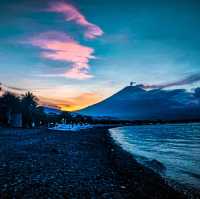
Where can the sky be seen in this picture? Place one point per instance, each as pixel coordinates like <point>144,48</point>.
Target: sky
<point>75,53</point>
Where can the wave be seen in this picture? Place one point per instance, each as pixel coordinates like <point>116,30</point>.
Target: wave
<point>156,165</point>
<point>170,150</point>
<point>192,174</point>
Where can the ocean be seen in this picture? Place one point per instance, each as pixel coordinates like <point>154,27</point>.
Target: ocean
<point>173,150</point>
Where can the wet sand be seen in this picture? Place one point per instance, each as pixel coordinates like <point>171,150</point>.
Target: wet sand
<point>87,164</point>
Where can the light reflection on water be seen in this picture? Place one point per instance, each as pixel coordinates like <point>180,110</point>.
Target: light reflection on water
<point>176,146</point>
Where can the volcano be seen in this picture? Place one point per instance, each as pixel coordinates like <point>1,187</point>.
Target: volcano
<point>136,103</point>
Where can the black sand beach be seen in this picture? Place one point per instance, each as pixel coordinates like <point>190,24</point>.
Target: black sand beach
<point>87,164</point>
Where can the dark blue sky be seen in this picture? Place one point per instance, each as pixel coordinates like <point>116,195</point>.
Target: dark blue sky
<point>86,50</point>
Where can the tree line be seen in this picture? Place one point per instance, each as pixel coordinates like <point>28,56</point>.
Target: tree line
<point>27,110</point>
<point>25,106</point>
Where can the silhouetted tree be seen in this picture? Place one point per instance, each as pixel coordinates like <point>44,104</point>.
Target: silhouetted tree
<point>10,104</point>
<point>29,107</point>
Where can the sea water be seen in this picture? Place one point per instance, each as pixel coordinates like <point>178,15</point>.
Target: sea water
<point>175,146</point>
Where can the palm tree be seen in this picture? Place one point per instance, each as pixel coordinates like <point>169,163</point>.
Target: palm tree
<point>30,100</point>
<point>10,104</point>
<point>29,105</point>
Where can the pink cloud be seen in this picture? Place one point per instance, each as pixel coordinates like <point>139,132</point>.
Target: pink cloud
<point>78,73</point>
<point>72,14</point>
<point>59,46</point>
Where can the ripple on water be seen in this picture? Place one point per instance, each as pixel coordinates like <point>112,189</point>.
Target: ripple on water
<point>175,146</point>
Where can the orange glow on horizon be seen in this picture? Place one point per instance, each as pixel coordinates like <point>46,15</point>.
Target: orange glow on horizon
<point>72,104</point>
<point>70,108</point>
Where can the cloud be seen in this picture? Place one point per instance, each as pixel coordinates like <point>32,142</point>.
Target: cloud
<point>58,46</point>
<point>72,14</point>
<point>185,81</point>
<point>5,87</point>
<point>78,73</point>
<point>17,90</point>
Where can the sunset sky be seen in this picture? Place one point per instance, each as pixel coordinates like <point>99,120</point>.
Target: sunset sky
<point>75,53</point>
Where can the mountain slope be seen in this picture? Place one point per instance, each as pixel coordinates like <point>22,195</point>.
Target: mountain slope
<point>133,102</point>
<point>51,110</point>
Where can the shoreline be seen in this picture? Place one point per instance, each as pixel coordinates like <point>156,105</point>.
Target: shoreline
<point>159,168</point>
<point>187,191</point>
<point>38,163</point>
<point>125,163</point>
